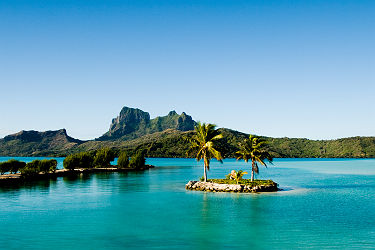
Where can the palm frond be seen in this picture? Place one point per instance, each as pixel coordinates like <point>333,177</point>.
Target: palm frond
<point>202,142</point>
<point>254,148</point>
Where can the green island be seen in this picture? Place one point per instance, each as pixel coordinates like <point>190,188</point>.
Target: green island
<point>246,186</point>
<point>97,161</point>
<point>134,133</point>
<point>203,144</point>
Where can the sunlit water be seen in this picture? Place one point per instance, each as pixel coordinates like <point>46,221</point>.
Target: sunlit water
<point>325,204</point>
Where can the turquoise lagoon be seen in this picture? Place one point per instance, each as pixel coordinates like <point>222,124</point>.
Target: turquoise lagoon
<point>326,203</point>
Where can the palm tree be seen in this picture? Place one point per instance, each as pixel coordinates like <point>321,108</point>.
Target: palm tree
<point>254,149</point>
<point>203,143</point>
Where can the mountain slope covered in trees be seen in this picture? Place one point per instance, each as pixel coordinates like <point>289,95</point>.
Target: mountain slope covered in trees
<point>34,143</point>
<point>167,136</point>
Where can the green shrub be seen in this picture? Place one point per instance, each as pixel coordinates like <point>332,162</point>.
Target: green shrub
<point>103,157</point>
<point>123,160</point>
<point>86,160</point>
<point>31,168</point>
<point>34,164</point>
<point>12,166</point>
<point>138,160</point>
<point>235,175</point>
<point>71,162</point>
<point>15,165</point>
<point>46,166</point>
<point>247,182</point>
<point>4,167</point>
<point>79,160</point>
<point>53,165</point>
<point>29,171</point>
<point>35,167</point>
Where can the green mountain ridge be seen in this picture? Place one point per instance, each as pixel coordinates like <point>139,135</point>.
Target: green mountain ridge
<point>167,136</point>
<point>34,143</point>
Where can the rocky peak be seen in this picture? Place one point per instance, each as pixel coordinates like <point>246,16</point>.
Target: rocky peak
<point>132,115</point>
<point>132,123</point>
<point>172,113</point>
<point>185,122</point>
<point>128,121</point>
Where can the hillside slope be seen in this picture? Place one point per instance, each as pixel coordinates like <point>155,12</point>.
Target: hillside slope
<point>173,143</point>
<point>34,143</point>
<point>167,136</point>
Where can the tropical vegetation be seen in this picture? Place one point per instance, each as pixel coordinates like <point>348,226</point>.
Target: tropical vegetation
<point>123,160</point>
<point>47,166</point>
<point>11,166</point>
<point>172,143</point>
<point>202,143</point>
<point>246,182</point>
<point>32,168</point>
<point>83,160</point>
<point>138,160</point>
<point>133,130</point>
<point>79,160</point>
<point>103,157</point>
<point>254,149</point>
<point>236,175</point>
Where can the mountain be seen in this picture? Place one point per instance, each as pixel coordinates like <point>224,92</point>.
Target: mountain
<point>352,147</point>
<point>30,143</point>
<point>173,143</point>
<point>133,123</point>
<point>167,136</point>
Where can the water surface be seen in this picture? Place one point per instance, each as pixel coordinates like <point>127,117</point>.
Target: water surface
<point>327,203</point>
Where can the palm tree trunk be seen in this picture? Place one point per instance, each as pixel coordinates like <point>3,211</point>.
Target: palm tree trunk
<point>205,168</point>
<point>252,170</point>
<point>205,173</point>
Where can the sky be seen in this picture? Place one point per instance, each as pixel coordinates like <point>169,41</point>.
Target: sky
<point>298,68</point>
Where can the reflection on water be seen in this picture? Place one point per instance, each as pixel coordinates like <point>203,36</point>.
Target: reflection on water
<point>72,179</point>
<point>32,185</point>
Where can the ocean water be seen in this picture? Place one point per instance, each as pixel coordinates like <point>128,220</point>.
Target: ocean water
<point>326,203</point>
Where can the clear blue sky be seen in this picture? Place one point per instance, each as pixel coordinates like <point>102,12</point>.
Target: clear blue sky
<point>278,68</point>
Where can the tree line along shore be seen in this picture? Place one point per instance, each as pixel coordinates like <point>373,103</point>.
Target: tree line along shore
<point>164,137</point>
<point>83,162</point>
<point>203,145</point>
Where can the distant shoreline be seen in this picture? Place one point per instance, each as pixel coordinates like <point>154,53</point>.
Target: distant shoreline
<point>18,178</point>
<point>161,157</point>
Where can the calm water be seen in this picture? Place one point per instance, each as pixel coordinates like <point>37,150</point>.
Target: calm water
<point>327,203</point>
